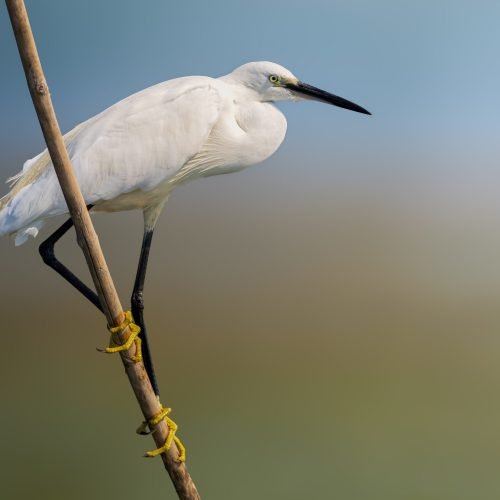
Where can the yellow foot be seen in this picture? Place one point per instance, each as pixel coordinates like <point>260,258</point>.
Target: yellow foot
<point>132,338</point>
<point>171,437</point>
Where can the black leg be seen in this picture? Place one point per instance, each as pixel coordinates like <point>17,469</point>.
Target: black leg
<point>46,250</point>
<point>137,303</point>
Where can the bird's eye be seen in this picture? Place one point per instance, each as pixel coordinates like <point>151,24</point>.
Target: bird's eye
<point>274,78</point>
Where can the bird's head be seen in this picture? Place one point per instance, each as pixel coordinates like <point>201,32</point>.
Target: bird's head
<point>272,82</point>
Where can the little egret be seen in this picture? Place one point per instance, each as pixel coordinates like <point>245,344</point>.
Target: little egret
<point>133,154</point>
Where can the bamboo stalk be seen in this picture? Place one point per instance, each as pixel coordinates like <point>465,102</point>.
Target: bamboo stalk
<point>89,242</point>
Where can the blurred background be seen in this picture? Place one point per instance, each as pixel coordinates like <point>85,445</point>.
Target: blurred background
<point>326,324</point>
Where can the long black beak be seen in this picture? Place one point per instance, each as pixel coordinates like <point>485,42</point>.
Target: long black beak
<point>310,92</point>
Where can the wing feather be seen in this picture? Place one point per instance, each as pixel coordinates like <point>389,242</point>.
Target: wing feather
<point>136,144</point>
<point>140,145</point>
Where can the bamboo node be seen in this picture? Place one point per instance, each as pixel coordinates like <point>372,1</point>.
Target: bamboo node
<point>38,83</point>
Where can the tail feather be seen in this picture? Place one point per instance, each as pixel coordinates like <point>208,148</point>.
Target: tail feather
<point>22,234</point>
<point>32,169</point>
<point>22,215</point>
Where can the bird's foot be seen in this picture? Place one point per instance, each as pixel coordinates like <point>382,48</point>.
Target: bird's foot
<point>171,437</point>
<point>133,337</point>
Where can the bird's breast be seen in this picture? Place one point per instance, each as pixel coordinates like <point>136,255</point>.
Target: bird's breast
<point>263,128</point>
<point>245,135</point>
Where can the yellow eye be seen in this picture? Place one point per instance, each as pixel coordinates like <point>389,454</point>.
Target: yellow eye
<point>274,78</point>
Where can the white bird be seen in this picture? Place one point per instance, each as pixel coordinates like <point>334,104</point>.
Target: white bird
<point>133,154</point>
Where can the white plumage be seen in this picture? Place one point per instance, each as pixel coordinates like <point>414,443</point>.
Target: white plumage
<point>134,153</point>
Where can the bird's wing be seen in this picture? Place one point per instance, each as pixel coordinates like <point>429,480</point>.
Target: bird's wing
<point>146,139</point>
<point>35,167</point>
<point>136,144</point>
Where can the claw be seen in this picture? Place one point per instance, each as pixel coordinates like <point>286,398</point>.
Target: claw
<point>163,415</point>
<point>132,338</point>
<point>144,430</point>
<point>171,437</point>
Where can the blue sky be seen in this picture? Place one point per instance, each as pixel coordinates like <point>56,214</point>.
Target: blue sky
<point>426,69</point>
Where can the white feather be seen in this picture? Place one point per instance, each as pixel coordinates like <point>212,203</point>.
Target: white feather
<point>135,152</point>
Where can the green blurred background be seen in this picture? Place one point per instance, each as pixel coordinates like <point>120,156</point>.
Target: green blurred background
<point>325,325</point>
